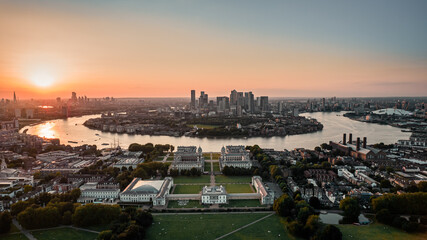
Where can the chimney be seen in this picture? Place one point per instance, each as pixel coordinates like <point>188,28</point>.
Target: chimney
<point>350,138</point>
<point>364,142</point>
<point>344,138</point>
<point>358,144</point>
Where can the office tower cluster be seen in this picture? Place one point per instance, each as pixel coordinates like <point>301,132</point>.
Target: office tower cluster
<point>237,103</point>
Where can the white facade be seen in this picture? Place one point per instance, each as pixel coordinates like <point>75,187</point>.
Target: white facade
<point>214,195</point>
<point>145,191</point>
<point>266,196</point>
<point>186,158</point>
<point>235,156</point>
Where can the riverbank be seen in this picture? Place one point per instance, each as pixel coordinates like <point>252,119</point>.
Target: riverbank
<point>334,126</point>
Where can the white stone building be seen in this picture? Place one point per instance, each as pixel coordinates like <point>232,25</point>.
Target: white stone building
<point>235,156</point>
<point>186,158</point>
<point>145,191</point>
<point>214,195</point>
<point>266,195</point>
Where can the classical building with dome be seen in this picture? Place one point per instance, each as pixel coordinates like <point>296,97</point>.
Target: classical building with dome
<point>235,156</point>
<point>146,191</point>
<point>186,158</point>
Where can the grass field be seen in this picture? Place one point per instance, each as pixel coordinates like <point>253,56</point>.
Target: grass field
<point>216,166</point>
<point>377,231</point>
<point>13,236</point>
<point>207,166</point>
<point>232,179</point>
<point>243,203</point>
<point>98,228</point>
<point>207,156</point>
<point>190,204</point>
<point>238,188</point>
<point>269,228</point>
<point>198,226</point>
<point>63,233</point>
<point>169,159</point>
<point>187,189</point>
<point>185,179</point>
<point>215,156</point>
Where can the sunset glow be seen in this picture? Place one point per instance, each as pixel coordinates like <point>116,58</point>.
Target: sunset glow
<point>42,79</point>
<point>153,49</point>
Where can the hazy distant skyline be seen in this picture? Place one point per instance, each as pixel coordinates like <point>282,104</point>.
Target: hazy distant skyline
<point>166,48</point>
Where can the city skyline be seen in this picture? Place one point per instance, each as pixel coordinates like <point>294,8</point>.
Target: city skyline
<point>143,49</point>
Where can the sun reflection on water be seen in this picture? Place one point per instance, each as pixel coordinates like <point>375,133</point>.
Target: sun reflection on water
<point>45,130</point>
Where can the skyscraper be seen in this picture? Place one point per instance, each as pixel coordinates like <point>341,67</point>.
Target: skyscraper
<point>203,100</point>
<point>74,96</point>
<point>193,99</point>
<point>264,103</point>
<point>249,102</point>
<point>233,98</point>
<point>14,97</point>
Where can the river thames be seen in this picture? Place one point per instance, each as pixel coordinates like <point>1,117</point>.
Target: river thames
<point>334,125</point>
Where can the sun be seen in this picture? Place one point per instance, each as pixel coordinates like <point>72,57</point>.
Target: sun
<point>42,79</point>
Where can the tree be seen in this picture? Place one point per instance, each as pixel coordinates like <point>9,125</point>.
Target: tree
<point>311,225</point>
<point>384,216</point>
<point>18,207</point>
<point>410,226</point>
<point>95,214</point>
<point>5,222</point>
<point>143,218</point>
<point>351,209</point>
<point>422,186</point>
<point>303,215</point>
<point>317,149</point>
<point>105,235</point>
<point>27,188</point>
<point>314,202</point>
<point>330,232</point>
<point>67,218</point>
<point>283,205</point>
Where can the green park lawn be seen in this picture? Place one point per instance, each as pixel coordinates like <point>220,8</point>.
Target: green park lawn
<point>238,188</point>
<point>215,156</point>
<point>13,236</point>
<point>63,233</point>
<point>207,156</point>
<point>207,166</point>
<point>232,179</point>
<point>185,179</point>
<point>377,231</point>
<point>189,204</point>
<point>198,226</point>
<point>99,228</point>
<point>216,166</point>
<point>243,203</point>
<point>269,228</point>
<point>187,189</point>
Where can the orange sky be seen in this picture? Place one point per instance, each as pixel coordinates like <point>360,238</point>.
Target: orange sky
<point>109,53</point>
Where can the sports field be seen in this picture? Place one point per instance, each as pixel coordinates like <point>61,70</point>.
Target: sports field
<point>201,226</point>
